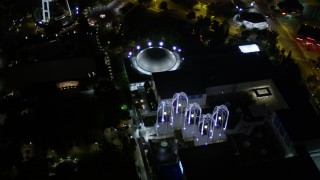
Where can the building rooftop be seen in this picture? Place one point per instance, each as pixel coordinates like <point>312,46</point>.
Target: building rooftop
<point>301,124</point>
<point>220,161</point>
<point>228,66</point>
<point>170,82</point>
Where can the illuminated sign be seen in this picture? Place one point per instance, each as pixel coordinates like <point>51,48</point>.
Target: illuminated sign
<point>249,48</point>
<point>262,92</point>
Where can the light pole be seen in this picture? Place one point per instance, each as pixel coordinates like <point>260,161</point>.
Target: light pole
<point>165,116</point>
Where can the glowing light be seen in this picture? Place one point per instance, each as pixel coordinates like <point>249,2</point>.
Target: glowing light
<point>174,48</point>
<point>249,48</point>
<point>160,43</point>
<point>67,84</point>
<point>149,44</point>
<point>138,47</point>
<point>130,53</point>
<point>181,168</point>
<point>310,38</point>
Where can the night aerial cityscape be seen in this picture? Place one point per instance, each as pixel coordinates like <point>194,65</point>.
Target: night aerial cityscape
<point>159,89</point>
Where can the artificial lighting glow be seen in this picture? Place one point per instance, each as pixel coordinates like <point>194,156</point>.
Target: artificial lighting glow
<point>179,105</point>
<point>249,48</point>
<point>67,84</point>
<point>262,92</point>
<point>181,168</point>
<point>174,48</point>
<point>160,43</point>
<point>130,53</point>
<point>149,43</point>
<point>205,126</point>
<point>138,47</point>
<point>192,115</point>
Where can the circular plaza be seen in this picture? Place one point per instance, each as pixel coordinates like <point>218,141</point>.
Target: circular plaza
<point>155,59</point>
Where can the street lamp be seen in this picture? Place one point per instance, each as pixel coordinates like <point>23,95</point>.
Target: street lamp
<point>174,48</point>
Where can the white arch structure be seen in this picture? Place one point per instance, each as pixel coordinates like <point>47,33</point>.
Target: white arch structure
<point>193,111</point>
<point>177,102</point>
<point>164,109</point>
<point>206,124</point>
<point>221,116</point>
<point>178,97</point>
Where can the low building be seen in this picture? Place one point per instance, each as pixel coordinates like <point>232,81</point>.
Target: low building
<point>290,7</point>
<point>252,20</point>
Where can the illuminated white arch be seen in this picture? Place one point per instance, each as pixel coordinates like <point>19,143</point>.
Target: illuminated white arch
<point>177,102</point>
<point>221,115</point>
<point>178,97</point>
<point>163,111</point>
<point>207,122</point>
<point>193,111</point>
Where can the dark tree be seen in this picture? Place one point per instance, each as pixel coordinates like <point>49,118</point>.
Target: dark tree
<point>191,15</point>
<point>163,5</point>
